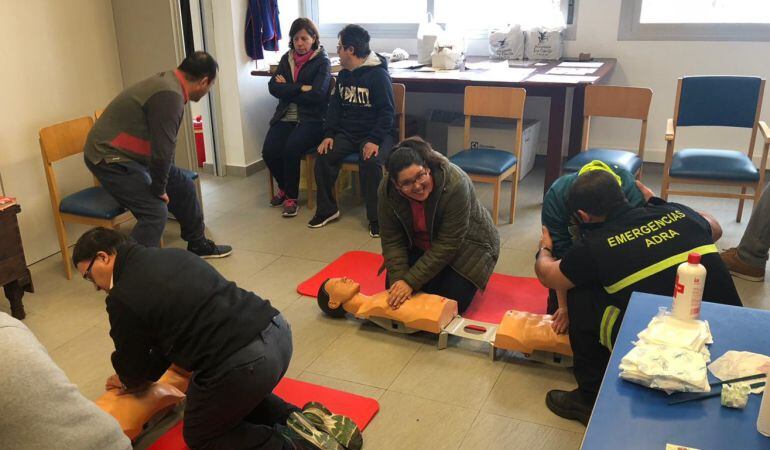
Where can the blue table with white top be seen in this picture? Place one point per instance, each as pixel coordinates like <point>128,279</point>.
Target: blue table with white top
<point>630,416</point>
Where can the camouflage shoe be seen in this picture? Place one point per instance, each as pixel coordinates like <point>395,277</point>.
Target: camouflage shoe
<point>341,428</point>
<point>303,427</point>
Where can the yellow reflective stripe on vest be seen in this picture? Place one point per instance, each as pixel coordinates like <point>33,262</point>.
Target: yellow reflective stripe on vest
<point>658,267</point>
<point>609,317</point>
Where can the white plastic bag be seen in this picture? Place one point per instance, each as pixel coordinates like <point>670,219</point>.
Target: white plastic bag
<point>427,34</point>
<point>507,43</point>
<point>544,28</point>
<point>543,43</point>
<point>449,52</point>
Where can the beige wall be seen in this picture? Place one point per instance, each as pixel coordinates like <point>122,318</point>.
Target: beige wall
<point>60,62</point>
<point>657,65</point>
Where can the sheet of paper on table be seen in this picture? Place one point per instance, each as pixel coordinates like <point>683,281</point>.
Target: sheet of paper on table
<point>487,65</point>
<point>508,75</point>
<point>571,71</point>
<point>405,64</point>
<point>545,78</point>
<point>581,64</point>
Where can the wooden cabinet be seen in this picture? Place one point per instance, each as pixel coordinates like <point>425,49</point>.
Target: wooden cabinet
<point>14,275</point>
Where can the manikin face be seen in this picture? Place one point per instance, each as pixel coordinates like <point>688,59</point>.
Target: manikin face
<point>302,42</point>
<point>415,182</point>
<point>341,290</point>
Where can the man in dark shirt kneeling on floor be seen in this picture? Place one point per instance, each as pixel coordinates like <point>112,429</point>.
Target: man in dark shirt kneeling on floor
<point>169,306</point>
<point>621,250</point>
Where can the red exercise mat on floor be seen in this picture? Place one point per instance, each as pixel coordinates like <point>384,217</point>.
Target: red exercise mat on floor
<point>503,292</point>
<point>360,409</point>
<point>356,265</point>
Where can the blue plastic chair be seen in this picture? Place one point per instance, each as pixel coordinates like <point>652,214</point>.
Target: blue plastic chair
<point>489,165</point>
<point>727,101</point>
<point>618,102</point>
<point>91,206</point>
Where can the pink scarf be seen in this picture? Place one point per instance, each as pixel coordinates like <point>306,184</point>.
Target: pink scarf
<point>299,61</point>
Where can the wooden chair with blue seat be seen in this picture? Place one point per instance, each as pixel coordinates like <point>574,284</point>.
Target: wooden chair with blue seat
<point>726,101</point>
<point>620,102</point>
<point>90,206</point>
<point>489,165</point>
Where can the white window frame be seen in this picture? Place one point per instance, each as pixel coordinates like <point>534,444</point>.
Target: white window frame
<point>630,29</point>
<point>409,30</point>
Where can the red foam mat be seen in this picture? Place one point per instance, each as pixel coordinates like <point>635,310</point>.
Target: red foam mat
<point>356,265</point>
<point>503,292</point>
<point>361,409</point>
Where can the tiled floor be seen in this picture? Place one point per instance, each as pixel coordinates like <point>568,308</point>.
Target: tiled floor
<point>449,399</point>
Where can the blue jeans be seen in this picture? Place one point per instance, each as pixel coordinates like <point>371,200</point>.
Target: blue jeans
<point>231,406</point>
<point>327,168</point>
<point>286,143</point>
<point>129,184</point>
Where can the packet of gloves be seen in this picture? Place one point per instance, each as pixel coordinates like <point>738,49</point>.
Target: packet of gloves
<point>671,355</point>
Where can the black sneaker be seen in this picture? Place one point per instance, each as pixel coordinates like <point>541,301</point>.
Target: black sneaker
<point>206,248</point>
<point>319,221</point>
<point>569,405</point>
<point>374,229</point>
<point>278,199</point>
<point>290,208</point>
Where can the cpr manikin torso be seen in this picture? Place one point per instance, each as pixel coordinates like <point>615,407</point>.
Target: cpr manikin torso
<point>518,331</point>
<point>426,312</point>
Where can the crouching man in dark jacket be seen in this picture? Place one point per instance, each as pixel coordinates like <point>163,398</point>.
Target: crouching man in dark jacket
<point>169,306</point>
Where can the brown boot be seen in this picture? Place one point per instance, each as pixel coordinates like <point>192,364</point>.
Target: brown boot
<point>740,269</point>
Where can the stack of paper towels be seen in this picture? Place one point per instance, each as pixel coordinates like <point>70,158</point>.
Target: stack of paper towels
<point>671,354</point>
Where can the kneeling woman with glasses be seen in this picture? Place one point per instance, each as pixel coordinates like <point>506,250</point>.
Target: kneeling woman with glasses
<point>436,236</point>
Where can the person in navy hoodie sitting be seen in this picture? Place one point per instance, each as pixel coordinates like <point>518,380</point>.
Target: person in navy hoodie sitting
<point>359,120</point>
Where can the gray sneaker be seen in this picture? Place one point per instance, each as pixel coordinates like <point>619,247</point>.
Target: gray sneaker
<point>290,208</point>
<point>341,428</point>
<point>307,431</point>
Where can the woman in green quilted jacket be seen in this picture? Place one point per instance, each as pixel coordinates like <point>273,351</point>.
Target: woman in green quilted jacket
<point>436,236</point>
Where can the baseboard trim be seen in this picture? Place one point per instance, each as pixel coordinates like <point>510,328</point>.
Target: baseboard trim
<point>245,171</point>
<point>207,168</point>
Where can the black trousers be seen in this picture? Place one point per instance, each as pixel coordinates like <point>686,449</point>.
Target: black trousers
<point>129,183</point>
<point>447,283</point>
<point>286,143</point>
<point>592,332</point>
<point>327,168</point>
<point>232,406</point>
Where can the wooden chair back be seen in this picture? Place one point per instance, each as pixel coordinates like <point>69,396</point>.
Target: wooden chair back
<point>500,102</point>
<point>399,96</point>
<point>621,102</point>
<point>64,139</point>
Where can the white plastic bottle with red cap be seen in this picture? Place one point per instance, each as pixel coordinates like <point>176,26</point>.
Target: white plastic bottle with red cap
<point>688,289</point>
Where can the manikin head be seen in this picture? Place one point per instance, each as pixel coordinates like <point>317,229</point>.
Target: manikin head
<point>334,292</point>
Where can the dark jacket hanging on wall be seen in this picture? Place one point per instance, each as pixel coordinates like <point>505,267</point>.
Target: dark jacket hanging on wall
<point>262,27</point>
